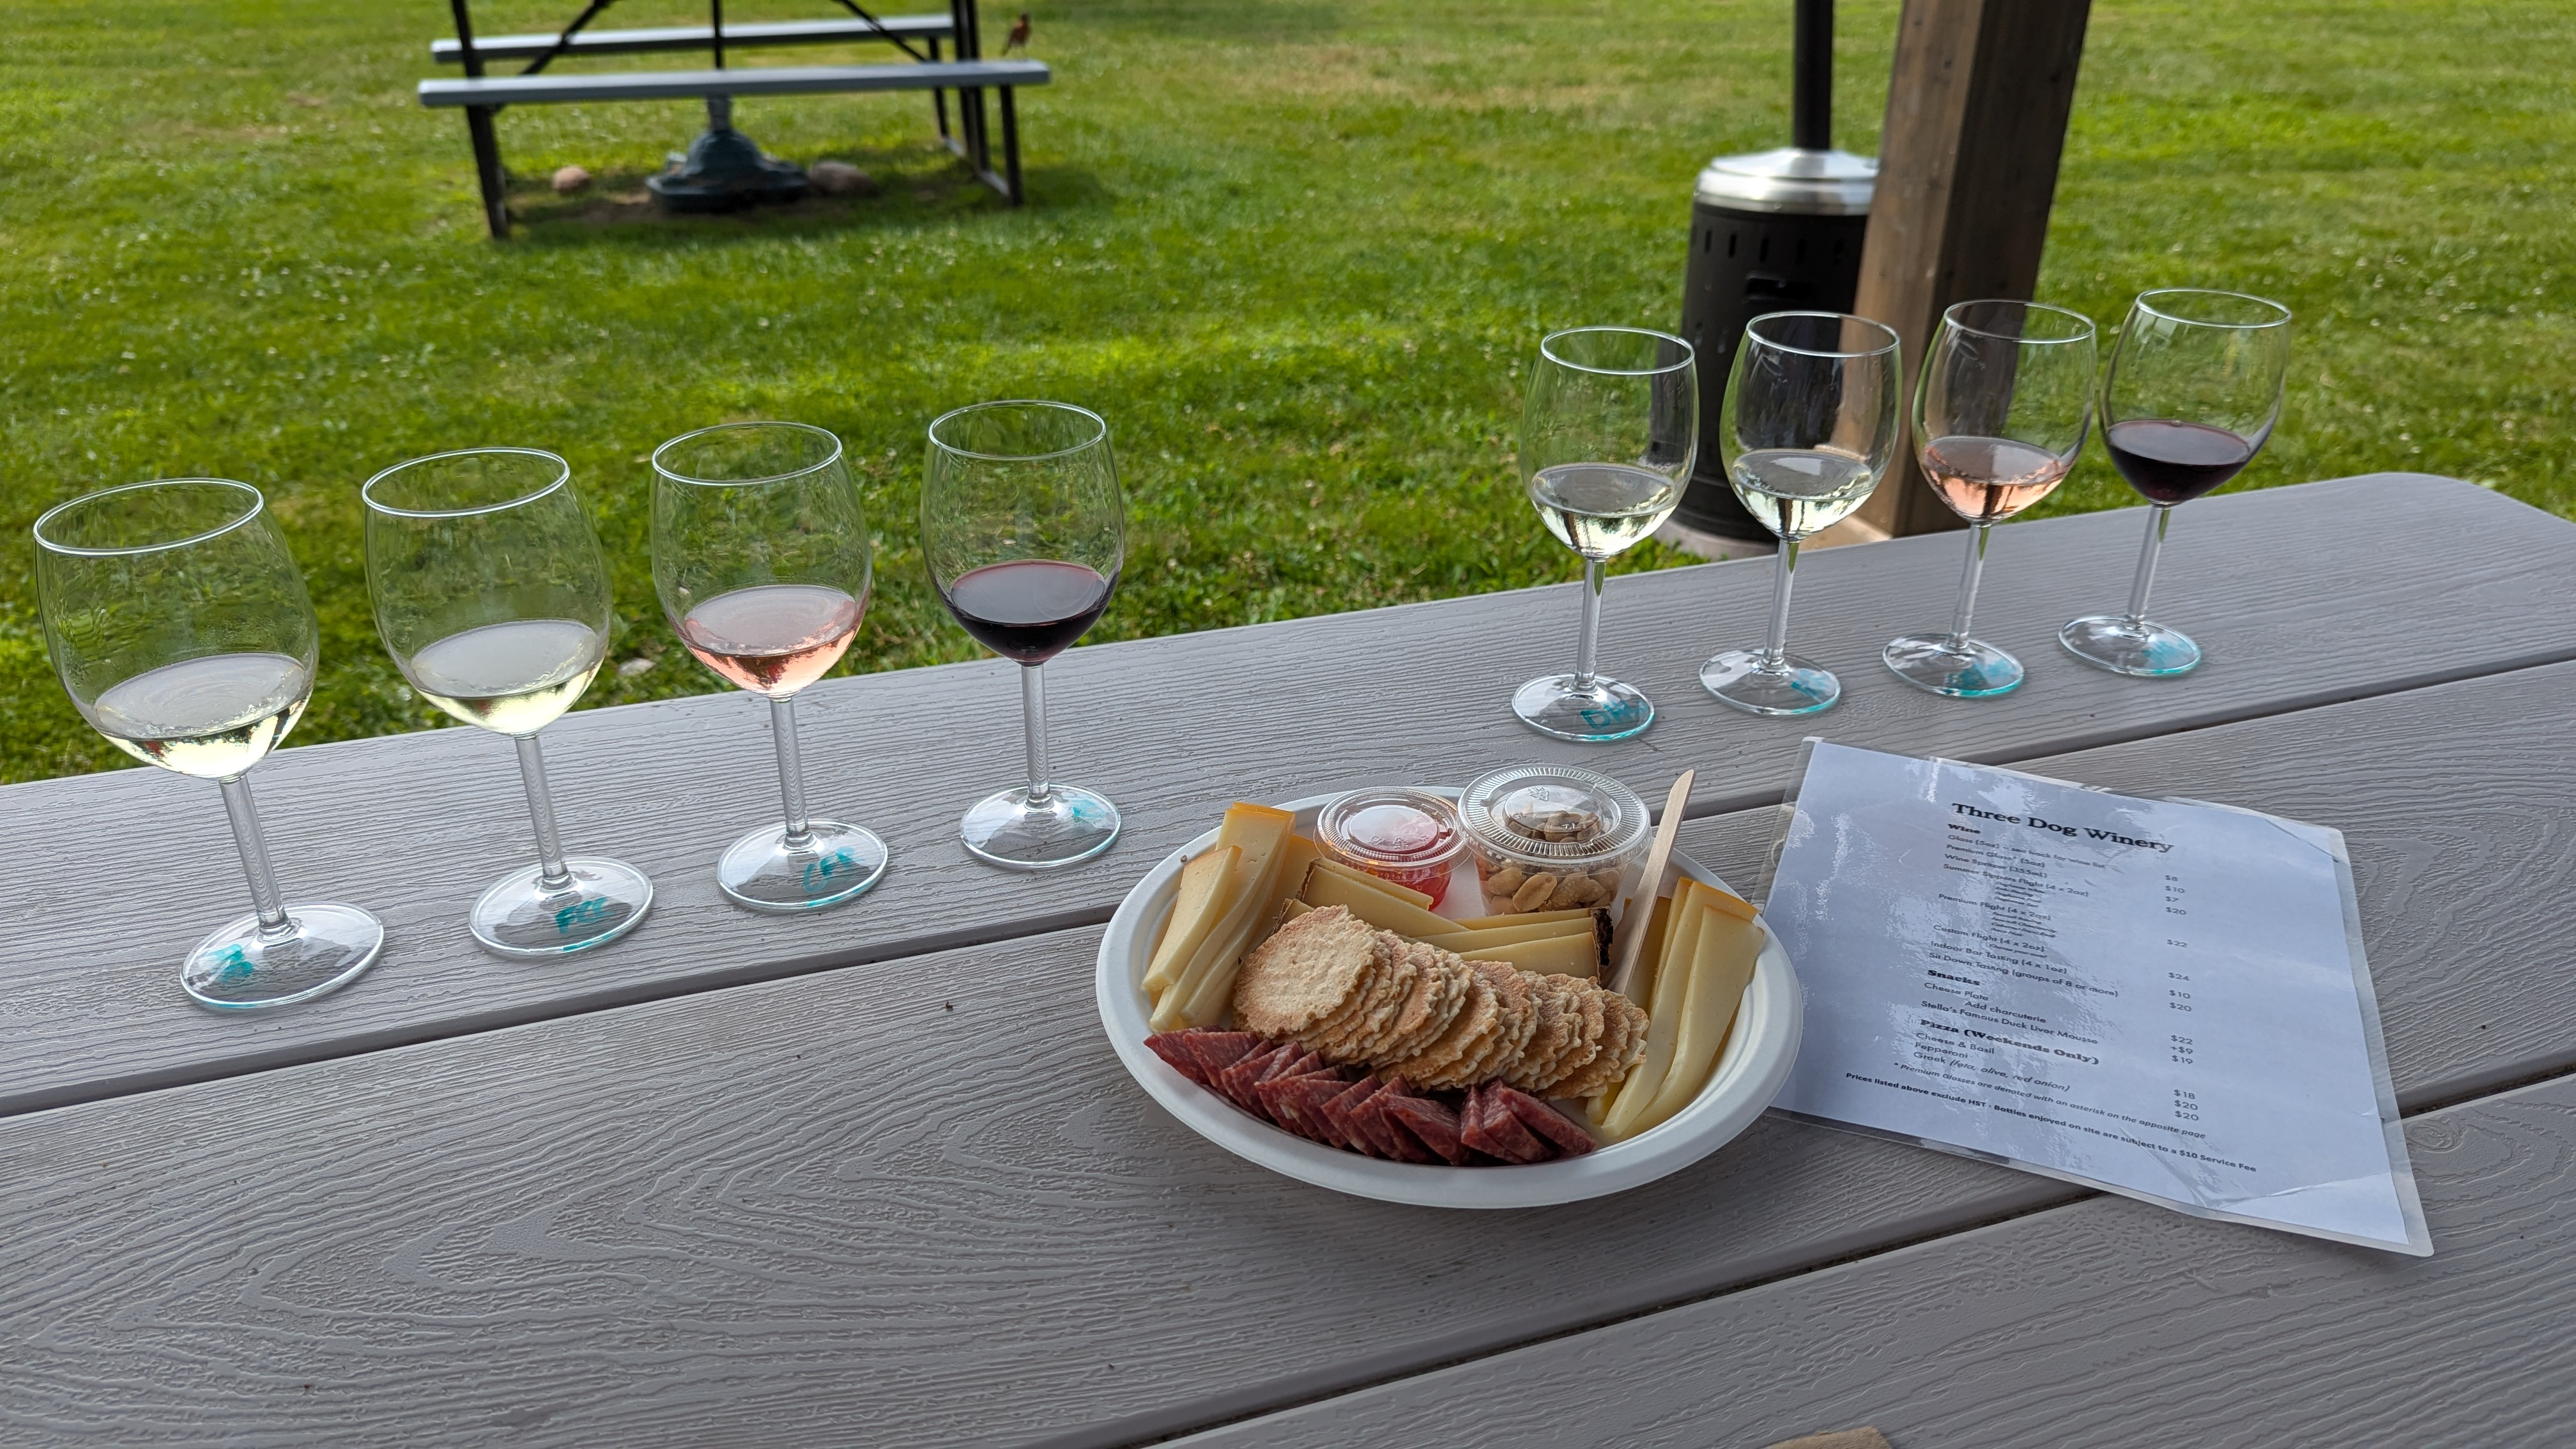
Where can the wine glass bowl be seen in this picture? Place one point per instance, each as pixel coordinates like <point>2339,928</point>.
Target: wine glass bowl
<point>2000,413</point>
<point>1808,427</point>
<point>762,561</point>
<point>1024,530</point>
<point>1608,431</point>
<point>492,598</point>
<point>2191,394</point>
<point>178,623</point>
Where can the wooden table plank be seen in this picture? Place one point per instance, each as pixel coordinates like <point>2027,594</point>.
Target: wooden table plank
<point>918,1202</point>
<point>2294,591</point>
<point>2102,1322</point>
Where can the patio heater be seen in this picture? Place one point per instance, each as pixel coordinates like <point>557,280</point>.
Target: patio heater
<point>1772,231</point>
<point>724,168</point>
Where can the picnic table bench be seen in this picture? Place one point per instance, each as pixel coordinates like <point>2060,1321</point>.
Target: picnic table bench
<point>482,97</point>
<point>874,1176</point>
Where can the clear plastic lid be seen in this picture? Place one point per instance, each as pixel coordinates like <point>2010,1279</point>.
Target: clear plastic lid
<point>1390,828</point>
<point>1555,815</point>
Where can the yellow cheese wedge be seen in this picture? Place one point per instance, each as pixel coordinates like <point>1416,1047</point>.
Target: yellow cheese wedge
<point>1663,1018</point>
<point>1293,910</point>
<point>1324,888</point>
<point>1522,918</point>
<point>1295,858</point>
<point>1263,837</point>
<point>1556,955</point>
<point>1357,876</point>
<point>1201,901</point>
<point>1254,831</point>
<point>1721,968</point>
<point>1736,906</point>
<point>1464,941</point>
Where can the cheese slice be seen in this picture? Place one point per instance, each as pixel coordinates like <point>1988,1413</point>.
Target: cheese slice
<point>1465,941</point>
<point>1265,834</point>
<point>1357,876</point>
<point>1721,969</point>
<point>1201,901</point>
<point>1295,858</point>
<point>1555,955</point>
<point>1293,910</point>
<point>1663,1018</point>
<point>1522,918</point>
<point>1324,888</point>
<point>1736,906</point>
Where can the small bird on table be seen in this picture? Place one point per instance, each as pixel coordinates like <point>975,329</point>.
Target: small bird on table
<point>1019,37</point>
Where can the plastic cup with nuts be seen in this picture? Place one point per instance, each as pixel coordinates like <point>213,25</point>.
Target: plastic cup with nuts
<point>1552,837</point>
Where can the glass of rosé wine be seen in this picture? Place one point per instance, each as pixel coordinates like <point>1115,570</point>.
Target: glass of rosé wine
<point>2000,412</point>
<point>761,558</point>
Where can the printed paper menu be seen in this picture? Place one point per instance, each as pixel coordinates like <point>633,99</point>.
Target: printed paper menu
<point>2155,997</point>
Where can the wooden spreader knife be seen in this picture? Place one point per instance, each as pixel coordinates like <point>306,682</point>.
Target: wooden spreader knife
<point>1640,913</point>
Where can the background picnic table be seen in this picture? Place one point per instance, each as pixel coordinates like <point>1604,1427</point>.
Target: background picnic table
<point>874,1176</point>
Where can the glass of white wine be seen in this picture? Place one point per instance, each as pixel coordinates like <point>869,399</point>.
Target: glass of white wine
<point>761,557</point>
<point>1608,432</point>
<point>1808,428</point>
<point>180,628</point>
<point>493,600</point>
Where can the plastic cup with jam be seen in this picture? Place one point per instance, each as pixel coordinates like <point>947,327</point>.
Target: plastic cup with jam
<point>1552,837</point>
<point>1408,837</point>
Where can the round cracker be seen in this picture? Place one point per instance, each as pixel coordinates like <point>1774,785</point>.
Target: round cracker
<point>1448,977</point>
<point>1304,973</point>
<point>1469,1032</point>
<point>1560,1021</point>
<point>1592,1018</point>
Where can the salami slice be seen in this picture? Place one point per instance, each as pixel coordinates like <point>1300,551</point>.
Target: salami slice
<point>1174,1048</point>
<point>1491,1129</point>
<point>1433,1125</point>
<point>1217,1050</point>
<point>1567,1136</point>
<point>1338,1112</point>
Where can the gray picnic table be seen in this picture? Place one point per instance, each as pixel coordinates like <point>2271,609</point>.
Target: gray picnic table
<point>874,1177</point>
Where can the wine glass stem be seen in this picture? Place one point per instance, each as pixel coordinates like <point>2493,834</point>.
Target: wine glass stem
<point>791,769</point>
<point>1587,651</point>
<point>2157,516</point>
<point>552,873</point>
<point>1968,584</point>
<point>1775,654</point>
<point>1033,716</point>
<point>264,896</point>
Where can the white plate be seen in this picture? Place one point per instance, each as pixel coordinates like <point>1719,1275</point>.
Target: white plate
<point>1750,1073</point>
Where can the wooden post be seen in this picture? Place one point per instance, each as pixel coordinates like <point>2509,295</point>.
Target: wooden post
<point>1967,167</point>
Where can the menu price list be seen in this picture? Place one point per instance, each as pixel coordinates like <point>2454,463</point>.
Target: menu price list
<point>2160,998</point>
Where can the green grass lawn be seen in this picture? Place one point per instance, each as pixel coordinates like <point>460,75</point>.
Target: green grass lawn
<point>1297,252</point>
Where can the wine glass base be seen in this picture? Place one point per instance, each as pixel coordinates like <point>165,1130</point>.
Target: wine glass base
<point>2144,649</point>
<point>1071,825</point>
<point>1608,710</point>
<point>1794,686</point>
<point>604,900</point>
<point>834,863</point>
<point>235,969</point>
<point>1971,669</point>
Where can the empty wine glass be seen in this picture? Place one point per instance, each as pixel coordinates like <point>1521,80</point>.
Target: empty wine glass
<point>493,600</point>
<point>1999,415</point>
<point>2191,395</point>
<point>760,555</point>
<point>1807,429</point>
<point>180,628</point>
<point>1607,436</point>
<point>1024,531</point>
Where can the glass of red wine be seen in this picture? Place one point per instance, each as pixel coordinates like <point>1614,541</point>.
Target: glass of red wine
<point>2000,412</point>
<point>760,555</point>
<point>1024,531</point>
<point>2191,395</point>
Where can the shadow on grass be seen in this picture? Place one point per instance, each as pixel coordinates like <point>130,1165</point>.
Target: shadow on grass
<point>1237,20</point>
<point>909,188</point>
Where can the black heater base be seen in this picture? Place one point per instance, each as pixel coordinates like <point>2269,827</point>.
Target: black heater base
<point>725,171</point>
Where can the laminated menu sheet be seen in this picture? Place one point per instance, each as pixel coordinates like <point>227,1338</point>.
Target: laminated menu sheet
<point>2159,998</point>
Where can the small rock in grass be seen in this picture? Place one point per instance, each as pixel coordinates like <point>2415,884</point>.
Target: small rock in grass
<point>635,666</point>
<point>838,178</point>
<point>570,179</point>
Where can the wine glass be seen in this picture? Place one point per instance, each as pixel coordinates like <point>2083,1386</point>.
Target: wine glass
<point>760,554</point>
<point>2191,395</point>
<point>1999,415</point>
<point>1607,436</point>
<point>493,600</point>
<point>1806,431</point>
<point>1024,532</point>
<point>180,628</point>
